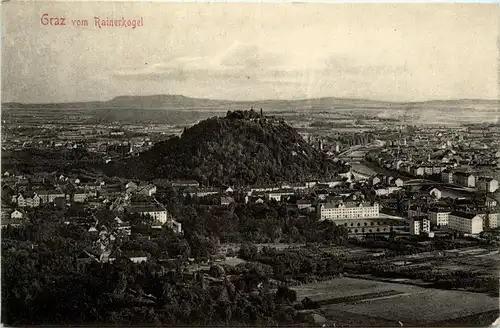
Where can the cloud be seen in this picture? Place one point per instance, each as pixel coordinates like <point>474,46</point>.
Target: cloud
<point>239,61</point>
<point>242,62</point>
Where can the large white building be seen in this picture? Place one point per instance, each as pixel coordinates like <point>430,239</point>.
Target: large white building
<point>469,223</point>
<point>156,212</point>
<point>439,217</point>
<point>347,210</point>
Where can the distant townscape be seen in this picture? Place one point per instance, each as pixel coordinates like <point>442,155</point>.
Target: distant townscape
<point>232,214</point>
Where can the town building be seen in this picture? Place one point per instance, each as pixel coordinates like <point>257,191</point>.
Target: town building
<point>185,183</point>
<point>419,225</point>
<point>417,211</point>
<point>202,192</point>
<point>332,183</point>
<point>11,222</point>
<point>16,214</point>
<point>435,192</point>
<point>347,210</point>
<point>418,170</point>
<point>487,184</point>
<point>398,182</point>
<point>5,212</point>
<point>386,191</point>
<point>376,180</point>
<point>25,201</point>
<point>304,204</point>
<point>464,179</point>
<point>468,223</point>
<point>147,190</point>
<point>226,201</point>
<point>430,192</point>
<point>491,202</point>
<point>175,226</point>
<point>36,201</point>
<point>48,196</point>
<point>490,220</point>
<point>80,197</point>
<point>156,212</point>
<point>278,195</point>
<point>439,217</point>
<point>21,201</point>
<point>383,226</point>
<point>131,186</point>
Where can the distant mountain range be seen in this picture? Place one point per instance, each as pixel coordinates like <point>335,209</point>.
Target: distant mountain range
<point>179,102</point>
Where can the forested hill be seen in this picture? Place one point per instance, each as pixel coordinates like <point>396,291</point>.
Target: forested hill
<point>239,149</point>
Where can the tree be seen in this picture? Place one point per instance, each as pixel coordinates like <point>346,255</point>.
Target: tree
<point>248,252</point>
<point>308,304</point>
<point>217,271</point>
<point>285,295</point>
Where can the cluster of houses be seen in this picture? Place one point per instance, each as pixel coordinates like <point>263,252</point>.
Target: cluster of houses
<point>451,155</point>
<point>260,194</point>
<point>467,179</point>
<point>464,216</point>
<point>340,199</point>
<point>385,185</point>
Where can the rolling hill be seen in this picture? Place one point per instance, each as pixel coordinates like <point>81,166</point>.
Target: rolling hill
<point>182,102</point>
<point>239,149</point>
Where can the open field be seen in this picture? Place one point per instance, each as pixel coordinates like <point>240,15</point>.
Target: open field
<point>388,303</point>
<point>350,252</point>
<point>473,259</point>
<point>479,264</point>
<point>278,246</point>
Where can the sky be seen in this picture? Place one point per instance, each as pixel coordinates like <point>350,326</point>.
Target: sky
<point>392,52</point>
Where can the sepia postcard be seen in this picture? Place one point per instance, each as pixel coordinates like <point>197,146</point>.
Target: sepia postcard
<point>249,164</point>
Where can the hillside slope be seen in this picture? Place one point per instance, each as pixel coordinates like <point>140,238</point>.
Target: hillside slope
<point>239,149</point>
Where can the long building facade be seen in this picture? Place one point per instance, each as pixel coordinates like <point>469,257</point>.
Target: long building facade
<point>347,210</point>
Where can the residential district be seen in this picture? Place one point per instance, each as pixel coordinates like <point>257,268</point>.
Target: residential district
<point>429,182</point>
<point>414,188</point>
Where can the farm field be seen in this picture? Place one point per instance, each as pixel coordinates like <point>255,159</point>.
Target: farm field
<point>412,305</point>
<point>474,259</point>
<point>481,263</point>
<point>278,246</point>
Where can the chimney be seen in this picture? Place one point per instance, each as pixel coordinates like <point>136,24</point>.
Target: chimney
<point>261,115</point>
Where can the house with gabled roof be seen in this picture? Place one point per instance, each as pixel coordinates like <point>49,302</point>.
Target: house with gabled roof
<point>17,214</point>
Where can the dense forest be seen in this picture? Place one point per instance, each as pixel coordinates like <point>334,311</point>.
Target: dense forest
<point>256,223</point>
<point>239,149</point>
<point>48,285</point>
<point>45,280</point>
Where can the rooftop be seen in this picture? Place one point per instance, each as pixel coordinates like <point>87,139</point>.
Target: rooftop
<point>144,209</point>
<point>347,204</point>
<point>464,215</point>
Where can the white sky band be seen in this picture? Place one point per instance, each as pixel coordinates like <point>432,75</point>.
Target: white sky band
<point>131,23</point>
<point>241,51</point>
